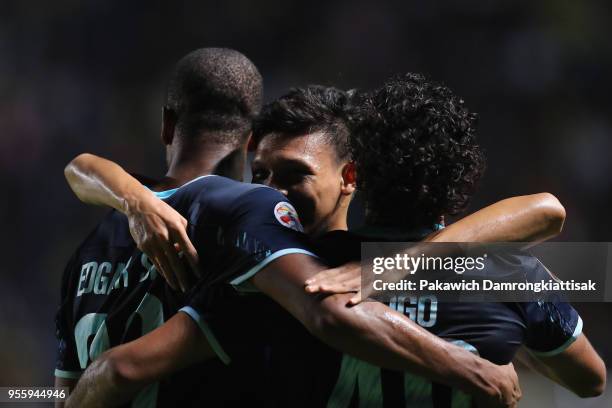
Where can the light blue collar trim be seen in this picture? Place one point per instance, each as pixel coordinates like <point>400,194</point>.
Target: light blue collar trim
<point>168,193</point>
<point>165,194</point>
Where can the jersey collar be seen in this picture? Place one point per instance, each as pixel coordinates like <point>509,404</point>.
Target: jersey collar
<point>168,193</point>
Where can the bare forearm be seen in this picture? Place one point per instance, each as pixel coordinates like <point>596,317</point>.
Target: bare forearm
<point>527,219</point>
<point>530,218</point>
<point>374,332</point>
<point>98,388</point>
<point>98,181</point>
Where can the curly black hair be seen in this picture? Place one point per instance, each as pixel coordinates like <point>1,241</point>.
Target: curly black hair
<point>310,109</point>
<point>415,151</point>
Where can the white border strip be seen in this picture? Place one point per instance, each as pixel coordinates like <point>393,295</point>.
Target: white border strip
<point>251,272</point>
<point>73,375</point>
<point>564,346</point>
<point>212,340</point>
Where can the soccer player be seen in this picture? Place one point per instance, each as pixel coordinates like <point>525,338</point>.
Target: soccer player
<point>111,295</point>
<point>146,339</point>
<point>413,142</point>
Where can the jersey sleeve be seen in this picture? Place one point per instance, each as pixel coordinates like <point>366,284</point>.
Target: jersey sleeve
<point>239,325</point>
<point>552,326</point>
<point>67,361</point>
<point>262,227</point>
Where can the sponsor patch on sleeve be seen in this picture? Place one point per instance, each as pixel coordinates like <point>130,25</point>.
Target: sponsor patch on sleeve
<point>287,216</point>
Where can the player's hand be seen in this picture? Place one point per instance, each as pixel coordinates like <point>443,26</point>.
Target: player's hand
<point>161,233</point>
<point>505,391</point>
<point>343,279</point>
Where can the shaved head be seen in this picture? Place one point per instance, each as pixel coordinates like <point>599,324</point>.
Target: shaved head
<point>216,92</point>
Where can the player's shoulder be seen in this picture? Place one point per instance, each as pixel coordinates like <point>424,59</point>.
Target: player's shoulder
<point>216,199</point>
<point>213,188</point>
<point>227,194</point>
<point>226,189</point>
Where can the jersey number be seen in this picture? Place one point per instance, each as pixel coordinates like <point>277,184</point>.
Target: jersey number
<point>365,379</point>
<point>422,309</point>
<point>151,314</point>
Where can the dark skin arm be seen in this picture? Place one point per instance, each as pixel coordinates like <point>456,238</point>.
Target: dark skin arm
<point>120,373</point>
<point>375,333</point>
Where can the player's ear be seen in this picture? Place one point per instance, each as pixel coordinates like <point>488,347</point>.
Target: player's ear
<point>349,178</point>
<point>168,125</point>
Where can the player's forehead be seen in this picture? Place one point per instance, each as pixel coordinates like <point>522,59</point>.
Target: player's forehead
<point>308,148</point>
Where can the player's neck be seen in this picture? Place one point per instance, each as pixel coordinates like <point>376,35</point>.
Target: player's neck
<point>338,225</point>
<point>191,162</point>
<point>336,222</point>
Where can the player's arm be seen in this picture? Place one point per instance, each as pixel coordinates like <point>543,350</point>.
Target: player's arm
<point>98,181</point>
<point>578,368</point>
<point>156,227</point>
<point>121,372</point>
<point>375,333</point>
<point>529,218</point>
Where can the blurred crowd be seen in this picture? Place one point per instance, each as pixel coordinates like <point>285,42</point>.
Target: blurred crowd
<point>89,76</point>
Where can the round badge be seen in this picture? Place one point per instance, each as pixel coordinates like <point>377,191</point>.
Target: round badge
<point>287,216</point>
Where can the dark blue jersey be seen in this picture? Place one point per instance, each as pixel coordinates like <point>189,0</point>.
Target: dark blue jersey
<point>297,370</point>
<point>112,293</point>
<point>494,331</point>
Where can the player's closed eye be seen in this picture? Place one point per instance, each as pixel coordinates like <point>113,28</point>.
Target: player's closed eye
<point>288,179</point>
<point>260,176</point>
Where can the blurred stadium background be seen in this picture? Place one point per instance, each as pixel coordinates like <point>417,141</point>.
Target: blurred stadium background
<point>89,76</point>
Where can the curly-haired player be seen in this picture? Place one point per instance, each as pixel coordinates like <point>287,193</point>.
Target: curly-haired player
<point>413,142</point>
<point>417,159</point>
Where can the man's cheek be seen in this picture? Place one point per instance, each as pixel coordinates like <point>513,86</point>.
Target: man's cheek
<point>305,206</point>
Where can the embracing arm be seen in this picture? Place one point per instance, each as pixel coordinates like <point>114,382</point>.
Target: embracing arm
<point>530,218</point>
<point>121,372</point>
<point>157,228</point>
<point>375,333</point>
<point>98,181</point>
